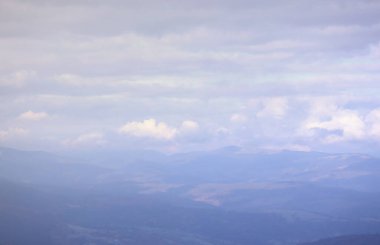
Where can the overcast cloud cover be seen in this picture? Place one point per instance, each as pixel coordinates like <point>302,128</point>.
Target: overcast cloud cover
<point>190,75</point>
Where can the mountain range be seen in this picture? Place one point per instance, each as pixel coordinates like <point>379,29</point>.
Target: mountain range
<point>226,196</point>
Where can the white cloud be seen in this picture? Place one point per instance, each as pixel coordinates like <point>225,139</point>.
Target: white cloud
<point>274,107</point>
<point>35,116</point>
<point>149,128</point>
<point>94,138</point>
<point>238,118</point>
<point>189,132</point>
<point>189,126</point>
<point>338,124</point>
<point>373,121</point>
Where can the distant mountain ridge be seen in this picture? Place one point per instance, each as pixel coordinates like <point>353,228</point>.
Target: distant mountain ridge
<point>372,239</point>
<point>225,196</point>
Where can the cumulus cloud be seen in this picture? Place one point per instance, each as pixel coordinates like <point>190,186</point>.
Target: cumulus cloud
<point>149,128</point>
<point>189,126</point>
<point>334,124</point>
<point>373,121</point>
<point>34,116</point>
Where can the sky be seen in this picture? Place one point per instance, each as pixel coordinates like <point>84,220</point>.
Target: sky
<point>181,76</point>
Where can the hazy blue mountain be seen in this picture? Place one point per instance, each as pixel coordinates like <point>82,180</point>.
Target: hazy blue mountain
<point>218,197</point>
<point>349,240</point>
<point>47,169</point>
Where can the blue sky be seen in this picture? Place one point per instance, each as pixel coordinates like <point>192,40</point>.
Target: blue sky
<point>179,76</point>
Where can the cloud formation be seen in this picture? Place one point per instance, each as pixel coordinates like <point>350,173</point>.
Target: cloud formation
<point>288,74</point>
<point>341,125</point>
<point>189,126</point>
<point>373,122</point>
<point>149,128</point>
<point>238,118</point>
<point>34,116</point>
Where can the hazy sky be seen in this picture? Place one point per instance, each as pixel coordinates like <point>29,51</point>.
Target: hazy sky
<point>190,75</point>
